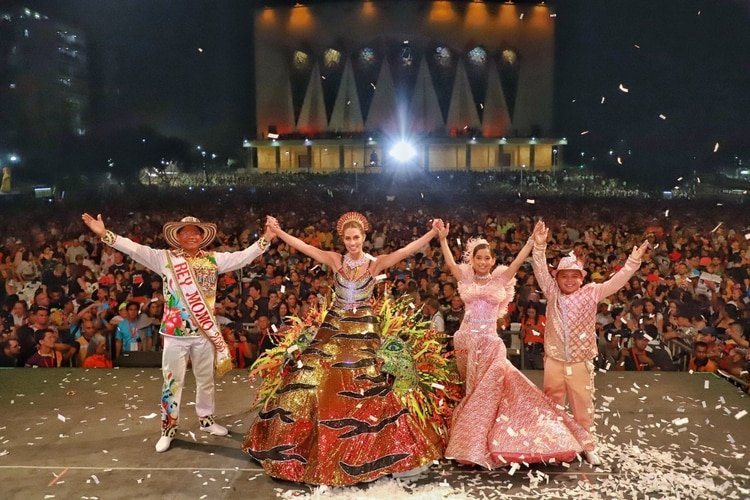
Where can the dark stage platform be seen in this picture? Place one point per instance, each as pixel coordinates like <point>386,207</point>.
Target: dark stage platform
<point>74,433</point>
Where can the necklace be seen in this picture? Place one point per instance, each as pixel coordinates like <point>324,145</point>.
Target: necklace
<point>351,264</point>
<point>483,278</point>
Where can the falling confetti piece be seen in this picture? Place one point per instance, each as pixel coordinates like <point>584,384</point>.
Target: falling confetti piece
<point>717,225</point>
<point>619,160</point>
<point>705,384</point>
<point>584,132</point>
<point>636,46</point>
<point>381,277</point>
<point>282,289</point>
<point>662,117</point>
<point>531,202</point>
<point>716,147</point>
<point>274,328</point>
<point>458,240</point>
<point>60,418</point>
<point>438,386</point>
<point>603,99</point>
<point>149,416</point>
<point>292,348</point>
<point>740,414</point>
<point>192,435</point>
<point>623,88</point>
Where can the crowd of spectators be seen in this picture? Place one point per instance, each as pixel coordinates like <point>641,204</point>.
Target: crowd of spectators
<point>69,300</point>
<point>532,182</point>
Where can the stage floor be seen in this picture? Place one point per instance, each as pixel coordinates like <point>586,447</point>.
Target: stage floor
<point>75,433</point>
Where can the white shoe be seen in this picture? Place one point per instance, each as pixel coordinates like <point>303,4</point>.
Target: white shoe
<point>163,444</point>
<point>592,458</point>
<point>215,429</point>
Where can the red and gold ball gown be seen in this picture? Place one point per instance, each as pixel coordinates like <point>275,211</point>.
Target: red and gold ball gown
<point>329,412</point>
<point>503,417</point>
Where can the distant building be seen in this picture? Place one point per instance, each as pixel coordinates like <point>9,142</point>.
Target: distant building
<point>468,84</point>
<point>44,84</point>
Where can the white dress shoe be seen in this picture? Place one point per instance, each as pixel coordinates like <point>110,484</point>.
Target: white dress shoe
<point>215,429</point>
<point>163,444</point>
<point>592,458</point>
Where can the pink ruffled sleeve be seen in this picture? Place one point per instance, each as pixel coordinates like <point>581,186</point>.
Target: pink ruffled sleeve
<point>509,287</point>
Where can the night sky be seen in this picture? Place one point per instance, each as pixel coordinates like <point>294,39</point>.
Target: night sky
<point>692,67</point>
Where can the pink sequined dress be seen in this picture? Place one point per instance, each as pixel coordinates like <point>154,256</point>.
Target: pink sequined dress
<point>503,417</point>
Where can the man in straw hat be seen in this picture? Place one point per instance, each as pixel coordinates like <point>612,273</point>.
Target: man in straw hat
<point>570,342</point>
<point>189,327</point>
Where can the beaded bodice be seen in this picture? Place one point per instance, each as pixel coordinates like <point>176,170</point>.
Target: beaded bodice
<point>351,294</point>
<point>485,301</point>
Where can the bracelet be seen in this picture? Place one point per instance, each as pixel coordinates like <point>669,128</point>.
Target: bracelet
<point>263,243</point>
<point>109,237</point>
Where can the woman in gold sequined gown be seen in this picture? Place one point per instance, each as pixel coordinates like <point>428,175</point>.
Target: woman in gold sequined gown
<point>336,420</point>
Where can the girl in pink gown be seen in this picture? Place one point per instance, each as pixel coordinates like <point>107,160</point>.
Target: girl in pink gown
<point>503,417</point>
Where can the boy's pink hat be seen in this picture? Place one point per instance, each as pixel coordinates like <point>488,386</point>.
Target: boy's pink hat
<point>569,263</point>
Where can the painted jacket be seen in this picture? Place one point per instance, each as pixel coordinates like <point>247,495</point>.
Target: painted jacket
<point>206,267</point>
<point>570,334</point>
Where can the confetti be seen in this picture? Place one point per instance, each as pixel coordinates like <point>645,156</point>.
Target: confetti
<point>740,414</point>
<point>60,418</point>
<point>530,201</point>
<point>381,277</point>
<point>717,225</point>
<point>282,289</point>
<point>458,240</point>
<point>603,99</point>
<point>584,132</point>
<point>623,88</point>
<point>716,147</point>
<point>292,348</point>
<point>438,386</point>
<point>662,117</point>
<point>149,416</point>
<point>705,384</point>
<point>274,328</point>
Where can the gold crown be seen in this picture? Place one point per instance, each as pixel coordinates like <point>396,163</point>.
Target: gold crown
<point>349,217</point>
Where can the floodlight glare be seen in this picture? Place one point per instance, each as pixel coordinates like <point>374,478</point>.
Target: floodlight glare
<point>403,151</point>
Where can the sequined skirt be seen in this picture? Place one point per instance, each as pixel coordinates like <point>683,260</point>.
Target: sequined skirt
<point>503,416</point>
<point>336,420</point>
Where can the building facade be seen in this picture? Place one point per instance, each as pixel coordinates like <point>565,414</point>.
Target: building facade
<point>468,85</point>
<point>44,84</point>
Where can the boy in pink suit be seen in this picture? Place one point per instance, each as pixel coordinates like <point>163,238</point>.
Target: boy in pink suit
<point>570,343</point>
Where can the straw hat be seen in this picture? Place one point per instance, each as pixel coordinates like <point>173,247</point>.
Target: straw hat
<point>172,228</point>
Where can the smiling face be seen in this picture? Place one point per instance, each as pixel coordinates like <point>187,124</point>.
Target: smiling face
<point>354,238</point>
<point>569,280</point>
<point>482,261</point>
<point>189,238</point>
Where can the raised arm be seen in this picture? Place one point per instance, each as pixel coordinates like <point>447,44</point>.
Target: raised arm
<point>447,254</point>
<point>143,254</point>
<point>229,261</point>
<point>331,259</point>
<point>623,275</point>
<point>539,258</point>
<point>385,261</point>
<point>516,264</point>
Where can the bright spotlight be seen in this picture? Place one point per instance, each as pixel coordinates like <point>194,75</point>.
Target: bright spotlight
<point>403,151</point>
